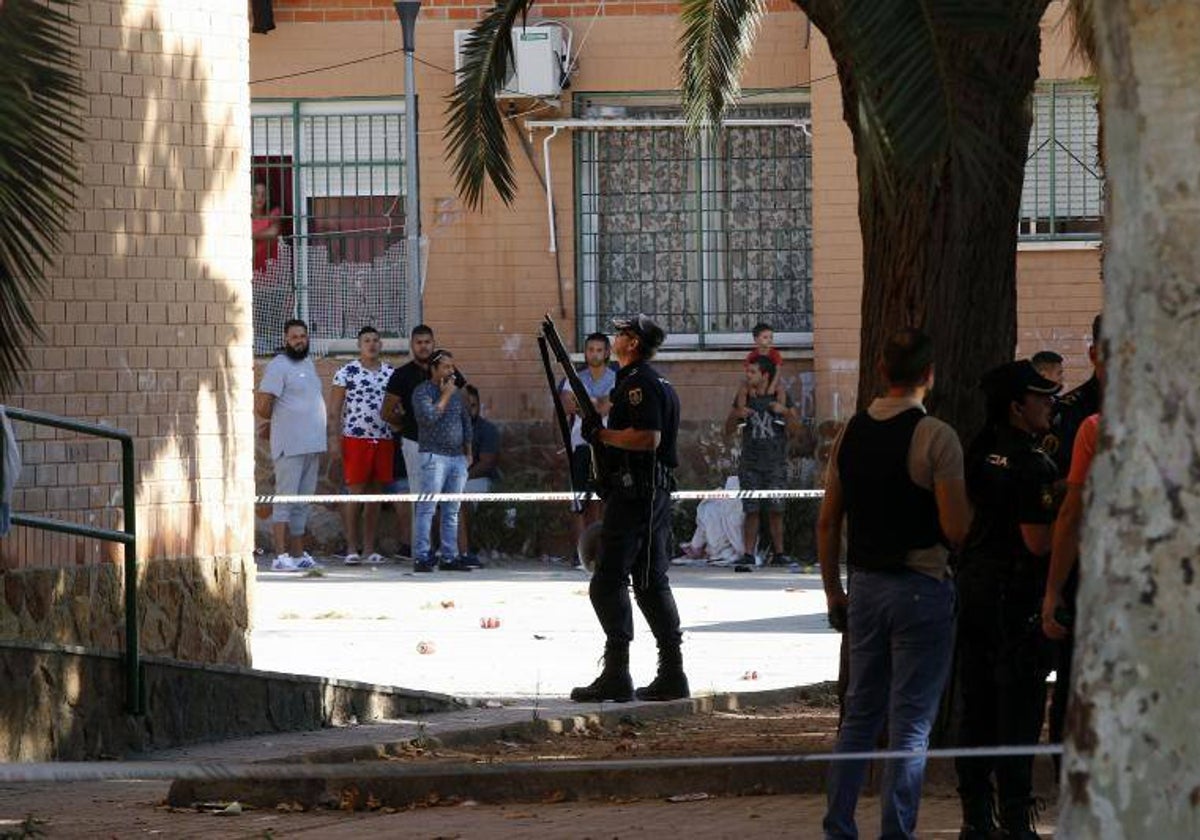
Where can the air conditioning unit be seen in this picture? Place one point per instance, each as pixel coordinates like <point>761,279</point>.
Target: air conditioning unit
<point>540,58</point>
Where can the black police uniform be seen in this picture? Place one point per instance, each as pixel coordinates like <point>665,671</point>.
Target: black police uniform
<point>1070,410</point>
<point>1003,658</point>
<point>637,512</point>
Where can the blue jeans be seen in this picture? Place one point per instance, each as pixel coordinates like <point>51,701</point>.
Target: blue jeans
<point>438,474</point>
<point>901,633</point>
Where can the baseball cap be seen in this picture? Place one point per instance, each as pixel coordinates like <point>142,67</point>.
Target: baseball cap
<point>650,333</point>
<point>1011,380</point>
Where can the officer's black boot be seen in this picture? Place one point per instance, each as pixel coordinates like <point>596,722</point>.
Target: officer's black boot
<point>614,682</point>
<point>979,819</point>
<point>670,683</point>
<point>1018,818</point>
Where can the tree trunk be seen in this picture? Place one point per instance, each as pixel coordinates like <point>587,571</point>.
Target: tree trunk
<point>934,261</point>
<point>1132,767</point>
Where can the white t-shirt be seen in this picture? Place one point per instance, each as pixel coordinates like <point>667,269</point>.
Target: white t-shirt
<point>298,415</point>
<point>597,389</point>
<point>364,398</point>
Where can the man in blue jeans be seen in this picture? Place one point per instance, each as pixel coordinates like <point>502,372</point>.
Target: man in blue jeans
<point>444,440</point>
<point>896,477</point>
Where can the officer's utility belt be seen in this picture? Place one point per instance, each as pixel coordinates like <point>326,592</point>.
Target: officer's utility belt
<point>636,475</point>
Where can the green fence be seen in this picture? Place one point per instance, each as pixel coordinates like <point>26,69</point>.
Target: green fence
<point>127,536</point>
<point>1063,195</point>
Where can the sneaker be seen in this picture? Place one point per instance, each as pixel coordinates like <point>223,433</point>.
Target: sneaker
<point>306,561</point>
<point>422,566</point>
<point>375,559</point>
<point>470,560</point>
<point>352,559</point>
<point>284,563</point>
<point>781,560</point>
<point>746,560</point>
<point>453,564</point>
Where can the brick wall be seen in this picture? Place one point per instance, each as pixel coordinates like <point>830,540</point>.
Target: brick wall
<point>343,11</point>
<point>147,315</point>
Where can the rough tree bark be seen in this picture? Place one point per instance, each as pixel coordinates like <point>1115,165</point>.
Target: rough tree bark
<point>946,265</point>
<point>1133,757</point>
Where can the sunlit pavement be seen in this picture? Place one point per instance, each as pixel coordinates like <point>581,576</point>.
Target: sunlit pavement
<point>742,632</point>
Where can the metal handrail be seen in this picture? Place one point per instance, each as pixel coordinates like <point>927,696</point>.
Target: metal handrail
<point>134,702</point>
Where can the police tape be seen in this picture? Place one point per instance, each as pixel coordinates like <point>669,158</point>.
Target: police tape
<point>101,771</point>
<point>547,496</point>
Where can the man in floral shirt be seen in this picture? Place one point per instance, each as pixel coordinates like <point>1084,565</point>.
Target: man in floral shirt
<point>367,446</point>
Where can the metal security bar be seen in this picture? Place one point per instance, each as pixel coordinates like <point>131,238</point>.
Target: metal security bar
<point>127,536</point>
<point>329,236</point>
<point>1063,196</point>
<point>708,235</point>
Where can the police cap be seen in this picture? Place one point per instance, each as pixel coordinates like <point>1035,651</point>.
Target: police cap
<point>650,333</point>
<point>1012,380</point>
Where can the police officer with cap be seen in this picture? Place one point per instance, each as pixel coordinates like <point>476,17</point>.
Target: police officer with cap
<point>1003,659</point>
<point>639,451</point>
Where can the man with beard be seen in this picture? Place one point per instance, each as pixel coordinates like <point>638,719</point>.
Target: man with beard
<point>397,410</point>
<point>291,405</point>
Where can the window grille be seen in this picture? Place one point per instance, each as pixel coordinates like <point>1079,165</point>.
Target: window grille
<point>707,235</point>
<point>1063,196</point>
<point>333,173</point>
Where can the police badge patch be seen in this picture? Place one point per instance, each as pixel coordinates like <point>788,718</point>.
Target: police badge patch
<point>635,396</point>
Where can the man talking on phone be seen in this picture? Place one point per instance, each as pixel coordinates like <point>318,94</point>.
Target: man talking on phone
<point>896,477</point>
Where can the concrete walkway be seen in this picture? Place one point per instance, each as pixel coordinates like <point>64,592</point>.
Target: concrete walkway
<point>743,632</point>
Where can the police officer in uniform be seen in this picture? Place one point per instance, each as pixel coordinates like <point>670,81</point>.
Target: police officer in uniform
<point>638,447</point>
<point>1070,410</point>
<point>1003,658</point>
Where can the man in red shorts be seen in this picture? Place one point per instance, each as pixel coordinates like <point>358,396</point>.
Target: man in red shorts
<point>367,445</point>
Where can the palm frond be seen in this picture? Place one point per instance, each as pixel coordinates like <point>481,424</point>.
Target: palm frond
<point>39,127</point>
<point>907,75</point>
<point>475,130</point>
<point>716,40</point>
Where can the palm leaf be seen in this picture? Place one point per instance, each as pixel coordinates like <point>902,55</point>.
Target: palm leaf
<point>39,127</point>
<point>475,130</point>
<point>716,41</point>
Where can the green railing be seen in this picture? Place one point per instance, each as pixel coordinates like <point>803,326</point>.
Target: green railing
<point>1063,192</point>
<point>134,702</point>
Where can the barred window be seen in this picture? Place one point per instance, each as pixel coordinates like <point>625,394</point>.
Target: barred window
<point>332,174</point>
<point>1063,197</point>
<point>707,235</point>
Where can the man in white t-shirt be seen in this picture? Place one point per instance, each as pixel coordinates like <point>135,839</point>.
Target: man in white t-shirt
<point>366,440</point>
<point>291,406</point>
<point>598,379</point>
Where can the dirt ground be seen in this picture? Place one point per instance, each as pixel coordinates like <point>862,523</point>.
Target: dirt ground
<point>779,730</point>
<point>124,809</point>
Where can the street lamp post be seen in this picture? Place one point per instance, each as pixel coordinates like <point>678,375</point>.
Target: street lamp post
<point>407,12</point>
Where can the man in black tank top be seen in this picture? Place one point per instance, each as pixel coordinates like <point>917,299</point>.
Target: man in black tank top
<point>896,479</point>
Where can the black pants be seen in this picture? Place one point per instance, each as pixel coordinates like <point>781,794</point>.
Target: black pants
<point>636,545</point>
<point>1003,661</point>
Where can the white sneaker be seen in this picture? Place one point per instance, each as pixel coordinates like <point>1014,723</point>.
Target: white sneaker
<point>353,559</point>
<point>284,563</point>
<point>307,562</point>
<point>375,559</point>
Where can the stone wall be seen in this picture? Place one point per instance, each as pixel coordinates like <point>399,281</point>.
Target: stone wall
<point>61,703</point>
<point>193,609</point>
